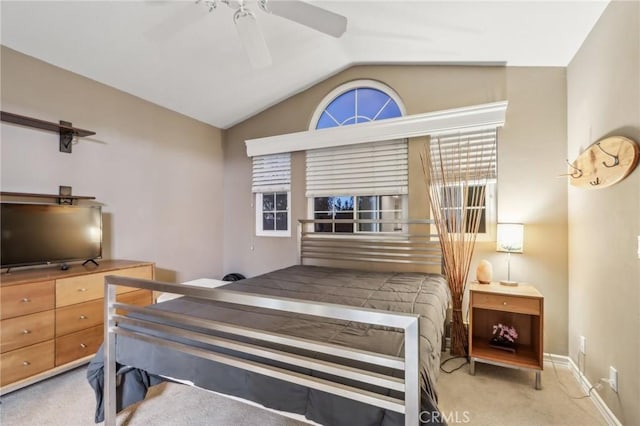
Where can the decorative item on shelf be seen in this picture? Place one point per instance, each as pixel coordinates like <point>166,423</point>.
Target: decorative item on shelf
<point>510,240</point>
<point>604,163</point>
<point>504,337</point>
<point>65,191</point>
<point>484,272</point>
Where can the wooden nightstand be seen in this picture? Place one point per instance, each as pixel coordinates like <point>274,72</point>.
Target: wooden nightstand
<point>521,306</point>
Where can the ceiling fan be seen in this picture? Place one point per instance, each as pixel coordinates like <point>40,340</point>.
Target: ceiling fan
<point>298,11</point>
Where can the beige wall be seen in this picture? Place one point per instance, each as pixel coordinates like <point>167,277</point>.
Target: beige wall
<point>531,153</point>
<point>158,174</point>
<point>603,85</point>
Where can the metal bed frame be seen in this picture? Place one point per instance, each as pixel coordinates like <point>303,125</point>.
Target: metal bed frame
<point>401,248</point>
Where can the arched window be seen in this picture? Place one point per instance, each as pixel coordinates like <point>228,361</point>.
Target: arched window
<point>333,189</point>
<point>356,102</point>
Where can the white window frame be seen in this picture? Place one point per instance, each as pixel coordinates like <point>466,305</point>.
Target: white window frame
<point>260,232</point>
<point>490,206</point>
<point>404,209</point>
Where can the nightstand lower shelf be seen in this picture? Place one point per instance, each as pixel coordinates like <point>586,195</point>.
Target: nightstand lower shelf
<point>524,357</point>
<point>521,308</point>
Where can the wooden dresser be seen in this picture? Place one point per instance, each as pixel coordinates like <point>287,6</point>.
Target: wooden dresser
<point>52,320</point>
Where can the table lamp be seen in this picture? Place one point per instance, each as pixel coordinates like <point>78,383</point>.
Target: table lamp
<point>510,240</point>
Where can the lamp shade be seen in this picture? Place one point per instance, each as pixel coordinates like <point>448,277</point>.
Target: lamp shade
<point>510,237</point>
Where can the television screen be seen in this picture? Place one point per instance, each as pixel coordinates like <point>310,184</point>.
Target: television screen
<point>35,234</point>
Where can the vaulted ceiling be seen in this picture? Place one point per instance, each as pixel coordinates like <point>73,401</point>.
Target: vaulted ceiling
<point>179,55</point>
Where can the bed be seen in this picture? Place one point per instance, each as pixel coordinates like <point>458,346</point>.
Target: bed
<point>340,346</point>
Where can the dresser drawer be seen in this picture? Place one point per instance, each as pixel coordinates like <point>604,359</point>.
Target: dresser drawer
<point>23,299</point>
<point>138,298</point>
<point>72,290</point>
<point>499,302</point>
<point>25,362</point>
<point>70,319</point>
<point>26,330</point>
<point>78,345</point>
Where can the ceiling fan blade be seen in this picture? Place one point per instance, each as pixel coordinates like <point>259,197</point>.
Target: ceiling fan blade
<point>252,38</point>
<point>307,14</point>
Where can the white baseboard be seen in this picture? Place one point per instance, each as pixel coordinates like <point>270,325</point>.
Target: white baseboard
<point>565,361</point>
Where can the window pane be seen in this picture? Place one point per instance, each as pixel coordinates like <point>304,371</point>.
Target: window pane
<point>367,203</point>
<point>281,221</point>
<point>321,204</point>
<point>341,203</point>
<point>281,201</point>
<point>370,102</point>
<point>390,111</point>
<point>326,121</point>
<point>451,196</point>
<point>475,196</point>
<point>323,227</point>
<point>268,221</point>
<point>471,214</point>
<point>344,227</point>
<point>343,106</point>
<point>390,202</point>
<point>268,201</point>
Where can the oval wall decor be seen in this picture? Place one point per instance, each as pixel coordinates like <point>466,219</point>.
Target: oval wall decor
<point>604,163</point>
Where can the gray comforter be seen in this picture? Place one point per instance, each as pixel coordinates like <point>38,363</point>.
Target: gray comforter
<point>423,294</point>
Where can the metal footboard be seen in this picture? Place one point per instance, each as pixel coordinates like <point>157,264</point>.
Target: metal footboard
<point>153,318</point>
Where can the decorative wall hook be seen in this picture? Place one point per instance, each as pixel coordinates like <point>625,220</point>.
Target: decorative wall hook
<point>576,173</point>
<point>616,158</point>
<point>596,167</point>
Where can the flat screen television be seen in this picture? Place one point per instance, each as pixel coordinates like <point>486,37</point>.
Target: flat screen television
<point>34,234</point>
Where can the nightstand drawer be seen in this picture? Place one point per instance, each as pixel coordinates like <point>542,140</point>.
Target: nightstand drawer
<point>78,345</point>
<point>499,302</point>
<point>26,362</point>
<point>26,330</point>
<point>25,299</point>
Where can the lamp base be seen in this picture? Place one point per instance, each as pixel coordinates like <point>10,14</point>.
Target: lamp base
<point>509,283</point>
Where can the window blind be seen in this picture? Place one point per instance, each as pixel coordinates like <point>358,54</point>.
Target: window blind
<point>272,173</point>
<point>466,155</point>
<point>376,168</point>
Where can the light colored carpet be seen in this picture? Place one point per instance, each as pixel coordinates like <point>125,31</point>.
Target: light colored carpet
<point>494,396</point>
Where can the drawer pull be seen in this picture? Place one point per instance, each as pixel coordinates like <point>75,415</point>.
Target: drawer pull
<point>26,363</point>
<point>83,346</point>
<point>83,317</point>
<point>82,289</point>
<point>26,300</point>
<point>504,303</point>
<point>25,331</point>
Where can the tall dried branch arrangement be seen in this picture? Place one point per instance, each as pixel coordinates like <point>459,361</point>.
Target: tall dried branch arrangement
<point>456,173</point>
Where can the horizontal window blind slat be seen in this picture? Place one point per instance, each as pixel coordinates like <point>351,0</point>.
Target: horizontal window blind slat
<point>271,173</point>
<point>365,169</point>
<point>468,155</point>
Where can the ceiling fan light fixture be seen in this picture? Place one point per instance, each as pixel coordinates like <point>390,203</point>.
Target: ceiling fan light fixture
<point>252,38</point>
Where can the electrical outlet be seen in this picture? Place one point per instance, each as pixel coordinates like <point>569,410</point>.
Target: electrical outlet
<point>613,379</point>
<point>583,345</point>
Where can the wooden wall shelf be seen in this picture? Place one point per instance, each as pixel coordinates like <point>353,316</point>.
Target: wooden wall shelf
<point>64,128</point>
<point>62,199</point>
